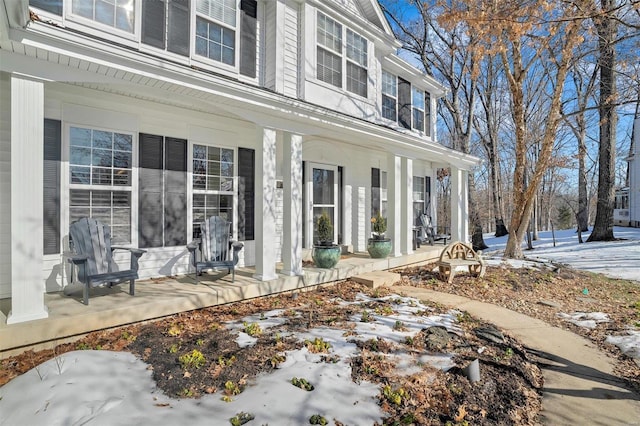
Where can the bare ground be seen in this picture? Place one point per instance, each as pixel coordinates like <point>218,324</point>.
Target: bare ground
<point>509,389</point>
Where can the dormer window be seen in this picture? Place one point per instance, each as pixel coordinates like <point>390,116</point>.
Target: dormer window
<point>118,14</point>
<point>331,60</point>
<point>216,30</point>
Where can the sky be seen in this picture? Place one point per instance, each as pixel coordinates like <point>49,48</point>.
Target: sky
<point>116,388</point>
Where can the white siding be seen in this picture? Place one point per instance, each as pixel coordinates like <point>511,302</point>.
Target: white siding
<point>5,186</point>
<point>291,48</point>
<point>269,45</point>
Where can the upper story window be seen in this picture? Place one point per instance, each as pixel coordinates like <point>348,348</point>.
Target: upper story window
<point>356,64</point>
<point>51,6</point>
<point>389,96</point>
<point>329,51</point>
<point>417,100</point>
<point>118,14</point>
<point>216,30</point>
<point>331,60</point>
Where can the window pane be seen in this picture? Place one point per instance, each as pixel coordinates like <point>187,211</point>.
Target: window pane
<point>80,137</point>
<point>323,186</point>
<point>418,119</point>
<point>215,41</point>
<point>356,48</point>
<point>389,84</point>
<point>122,159</point>
<point>329,33</point>
<point>101,176</point>
<point>102,139</point>
<point>124,15</point>
<point>356,79</point>
<point>122,142</point>
<point>80,156</point>
<point>329,67</point>
<point>389,108</point>
<point>102,157</point>
<point>80,175</point>
<point>114,13</point>
<point>417,98</point>
<point>121,177</point>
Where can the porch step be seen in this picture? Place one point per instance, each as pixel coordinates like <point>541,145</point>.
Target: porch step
<point>376,279</point>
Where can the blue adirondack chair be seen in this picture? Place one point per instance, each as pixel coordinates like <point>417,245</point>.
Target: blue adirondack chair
<point>93,256</point>
<point>217,251</point>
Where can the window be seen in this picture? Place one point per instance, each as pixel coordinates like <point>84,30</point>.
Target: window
<point>100,179</point>
<point>330,56</point>
<point>417,97</point>
<point>356,64</point>
<point>118,14</point>
<point>329,51</point>
<point>215,30</point>
<point>389,96</point>
<point>213,184</point>
<point>418,199</point>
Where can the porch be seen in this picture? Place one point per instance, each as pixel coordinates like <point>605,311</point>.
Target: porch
<point>155,298</point>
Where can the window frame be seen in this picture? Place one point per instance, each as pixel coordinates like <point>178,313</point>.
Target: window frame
<point>197,57</point>
<point>345,60</point>
<point>393,97</point>
<point>68,186</point>
<point>97,28</point>
<point>193,191</point>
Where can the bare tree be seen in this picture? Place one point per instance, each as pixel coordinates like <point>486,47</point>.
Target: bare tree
<point>445,54</point>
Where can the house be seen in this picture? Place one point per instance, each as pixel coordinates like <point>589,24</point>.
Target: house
<point>152,115</point>
<point>633,165</point>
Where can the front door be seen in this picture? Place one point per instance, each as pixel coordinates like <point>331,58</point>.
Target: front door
<point>322,196</point>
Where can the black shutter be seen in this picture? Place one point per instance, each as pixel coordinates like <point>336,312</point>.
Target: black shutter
<point>248,37</point>
<point>150,224</point>
<point>51,186</point>
<point>427,114</point>
<point>153,23</point>
<point>246,193</point>
<point>404,103</point>
<point>427,195</point>
<point>178,37</point>
<point>375,191</point>
<point>175,192</point>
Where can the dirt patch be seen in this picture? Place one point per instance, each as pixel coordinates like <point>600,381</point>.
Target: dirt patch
<point>545,293</point>
<point>195,353</point>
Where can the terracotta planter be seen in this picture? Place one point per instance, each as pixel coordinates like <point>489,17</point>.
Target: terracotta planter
<point>379,248</point>
<point>326,256</point>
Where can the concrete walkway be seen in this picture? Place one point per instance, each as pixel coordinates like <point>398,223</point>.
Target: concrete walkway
<point>580,387</point>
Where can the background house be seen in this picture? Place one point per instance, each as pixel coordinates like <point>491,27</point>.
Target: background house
<point>152,115</point>
<point>634,176</point>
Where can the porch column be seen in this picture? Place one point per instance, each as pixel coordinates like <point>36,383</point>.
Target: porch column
<point>266,205</point>
<point>394,203</point>
<point>292,220</point>
<point>459,205</point>
<point>27,156</point>
<point>407,206</point>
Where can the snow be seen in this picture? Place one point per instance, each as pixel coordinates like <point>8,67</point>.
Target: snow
<point>622,256</point>
<point>615,259</point>
<point>116,388</point>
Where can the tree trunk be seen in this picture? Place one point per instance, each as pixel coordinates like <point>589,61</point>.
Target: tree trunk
<point>606,27</point>
<point>477,238</point>
<point>583,198</point>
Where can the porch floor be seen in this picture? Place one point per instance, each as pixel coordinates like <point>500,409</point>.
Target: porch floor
<point>69,318</point>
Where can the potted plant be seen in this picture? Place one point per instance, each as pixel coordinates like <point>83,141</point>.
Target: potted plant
<point>378,246</point>
<point>325,253</point>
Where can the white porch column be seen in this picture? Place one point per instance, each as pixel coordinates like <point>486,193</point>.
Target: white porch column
<point>394,203</point>
<point>266,205</point>
<point>459,206</point>
<point>292,226</point>
<point>27,152</point>
<point>407,206</point>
